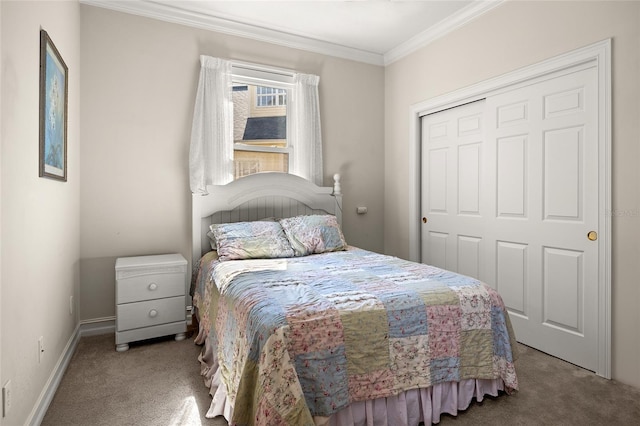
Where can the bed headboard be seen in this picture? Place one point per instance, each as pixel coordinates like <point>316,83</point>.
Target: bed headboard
<point>256,197</point>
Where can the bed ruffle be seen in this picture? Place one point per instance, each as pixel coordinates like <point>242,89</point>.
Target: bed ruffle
<point>408,408</point>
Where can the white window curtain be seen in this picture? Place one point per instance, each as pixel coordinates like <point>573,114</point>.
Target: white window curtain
<point>211,152</point>
<point>306,137</point>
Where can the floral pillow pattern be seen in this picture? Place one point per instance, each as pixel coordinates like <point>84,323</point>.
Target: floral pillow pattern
<point>313,234</point>
<point>251,240</point>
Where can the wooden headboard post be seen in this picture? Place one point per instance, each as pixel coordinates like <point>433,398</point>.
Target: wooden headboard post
<point>256,197</point>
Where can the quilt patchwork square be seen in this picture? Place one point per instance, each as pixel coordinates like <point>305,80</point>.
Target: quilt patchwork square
<point>444,331</point>
<point>445,370</point>
<point>406,322</point>
<point>323,377</point>
<point>476,307</point>
<point>433,293</point>
<point>366,326</point>
<point>370,385</point>
<point>328,285</point>
<point>265,320</point>
<point>313,330</point>
<point>476,354</point>
<point>410,361</point>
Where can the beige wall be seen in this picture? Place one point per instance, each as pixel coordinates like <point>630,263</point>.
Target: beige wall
<point>511,36</point>
<point>138,90</point>
<point>40,249</point>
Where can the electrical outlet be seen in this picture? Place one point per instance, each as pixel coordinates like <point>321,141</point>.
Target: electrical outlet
<point>40,348</point>
<point>6,398</point>
<point>70,305</point>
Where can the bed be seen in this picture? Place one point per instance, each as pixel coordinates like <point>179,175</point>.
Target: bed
<point>319,332</point>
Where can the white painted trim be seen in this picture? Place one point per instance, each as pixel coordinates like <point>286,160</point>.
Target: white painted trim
<point>84,328</point>
<point>262,72</point>
<point>442,28</point>
<point>46,396</point>
<point>606,131</point>
<point>97,326</point>
<point>598,55</point>
<point>177,15</point>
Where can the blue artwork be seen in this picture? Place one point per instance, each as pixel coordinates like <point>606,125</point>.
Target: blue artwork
<point>54,110</point>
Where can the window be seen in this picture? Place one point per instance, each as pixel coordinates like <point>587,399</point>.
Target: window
<point>283,136</point>
<point>260,123</point>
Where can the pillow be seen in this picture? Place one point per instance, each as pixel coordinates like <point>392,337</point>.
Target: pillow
<point>251,240</point>
<point>313,234</point>
<point>212,240</point>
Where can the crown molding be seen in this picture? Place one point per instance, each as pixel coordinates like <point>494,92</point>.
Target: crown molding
<point>452,22</point>
<point>175,14</point>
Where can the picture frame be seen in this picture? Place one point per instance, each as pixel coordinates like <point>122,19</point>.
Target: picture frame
<point>54,88</point>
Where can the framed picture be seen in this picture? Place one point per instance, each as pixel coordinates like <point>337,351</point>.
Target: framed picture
<point>53,110</point>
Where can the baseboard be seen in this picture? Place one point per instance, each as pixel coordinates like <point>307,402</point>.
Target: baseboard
<point>97,326</point>
<point>49,390</point>
<point>85,328</point>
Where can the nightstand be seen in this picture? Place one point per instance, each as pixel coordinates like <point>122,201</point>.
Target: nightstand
<point>150,298</point>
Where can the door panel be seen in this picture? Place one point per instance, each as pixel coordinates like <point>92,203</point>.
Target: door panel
<point>438,249</point>
<point>437,159</point>
<point>512,176</point>
<point>469,255</point>
<point>469,161</point>
<point>520,184</point>
<point>511,275</point>
<point>563,289</point>
<point>563,181</point>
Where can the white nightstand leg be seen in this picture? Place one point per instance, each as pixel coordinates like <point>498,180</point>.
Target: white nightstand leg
<point>180,336</point>
<point>122,347</point>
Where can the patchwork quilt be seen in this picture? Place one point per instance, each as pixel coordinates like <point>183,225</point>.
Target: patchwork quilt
<point>306,336</point>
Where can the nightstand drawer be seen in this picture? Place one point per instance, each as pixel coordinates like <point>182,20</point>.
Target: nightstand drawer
<point>150,286</point>
<point>149,313</point>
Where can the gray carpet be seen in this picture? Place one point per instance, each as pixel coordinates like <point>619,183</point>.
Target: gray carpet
<point>158,383</point>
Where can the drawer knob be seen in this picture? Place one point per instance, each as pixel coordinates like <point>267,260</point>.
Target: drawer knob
<point>153,313</point>
<point>153,286</point>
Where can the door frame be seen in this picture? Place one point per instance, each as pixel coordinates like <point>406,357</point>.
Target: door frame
<point>596,55</point>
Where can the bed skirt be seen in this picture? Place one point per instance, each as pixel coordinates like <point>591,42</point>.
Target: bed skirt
<point>408,408</point>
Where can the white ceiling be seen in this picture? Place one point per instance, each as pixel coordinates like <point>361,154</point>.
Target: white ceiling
<point>372,31</point>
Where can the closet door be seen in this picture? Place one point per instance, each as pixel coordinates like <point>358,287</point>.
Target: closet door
<point>453,185</point>
<point>529,226</point>
<point>545,141</point>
